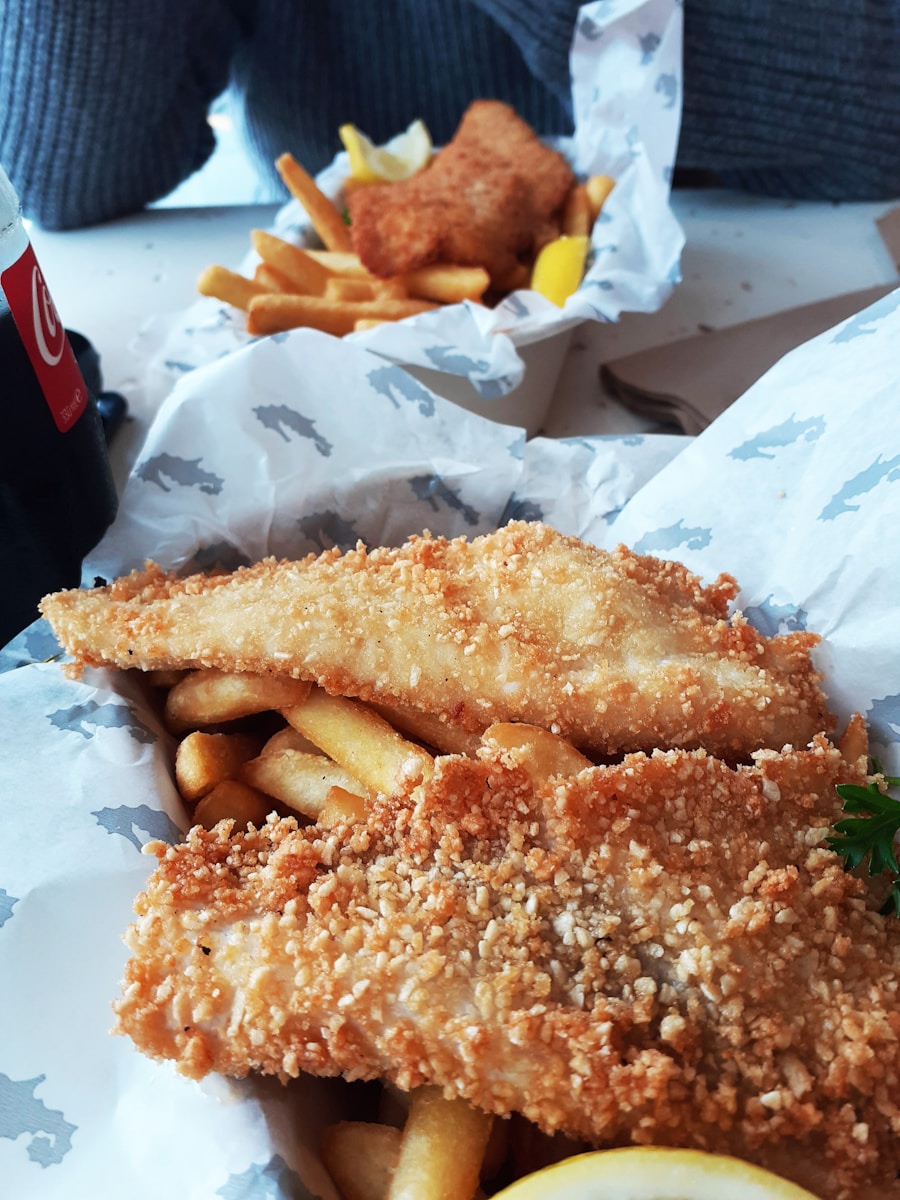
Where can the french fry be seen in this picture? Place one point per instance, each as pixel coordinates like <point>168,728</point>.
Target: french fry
<point>349,287</point>
<point>204,760</point>
<point>289,739</point>
<point>342,262</point>
<point>598,188</point>
<point>441,1149</point>
<point>272,279</point>
<point>341,805</point>
<point>299,780</point>
<point>233,800</point>
<point>229,286</point>
<point>576,217</point>
<point>307,274</point>
<point>364,744</point>
<point>365,323</point>
<point>447,283</point>
<point>541,753</point>
<point>272,313</point>
<point>360,1157</point>
<point>393,289</point>
<point>322,212</point>
<point>209,697</point>
<point>427,728</point>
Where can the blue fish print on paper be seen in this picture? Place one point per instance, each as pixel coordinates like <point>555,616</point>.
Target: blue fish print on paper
<point>518,508</point>
<point>329,529</point>
<point>130,822</point>
<point>85,719</point>
<point>589,29</point>
<point>649,44</point>
<point>281,418</point>
<point>880,471</point>
<point>671,537</point>
<point>224,556</point>
<point>516,448</point>
<point>180,472</point>
<point>883,719</point>
<point>397,384</point>
<point>7,904</point>
<point>667,87</point>
<point>863,322</point>
<point>516,305</point>
<point>770,618</point>
<point>23,1114</point>
<point>174,364</point>
<point>273,1180</point>
<point>433,490</point>
<point>492,389</point>
<point>222,319</point>
<point>34,644</point>
<point>602,285</point>
<point>40,642</point>
<point>447,359</point>
<point>765,443</point>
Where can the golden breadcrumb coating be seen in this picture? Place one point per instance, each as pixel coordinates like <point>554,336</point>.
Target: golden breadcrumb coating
<point>614,651</point>
<point>489,198</point>
<point>662,951</point>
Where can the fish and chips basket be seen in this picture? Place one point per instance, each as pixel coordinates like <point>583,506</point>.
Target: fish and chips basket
<point>503,360</point>
<point>793,490</point>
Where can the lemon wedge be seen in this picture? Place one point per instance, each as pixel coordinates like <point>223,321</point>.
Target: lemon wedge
<point>559,268</point>
<point>652,1173</point>
<point>403,155</point>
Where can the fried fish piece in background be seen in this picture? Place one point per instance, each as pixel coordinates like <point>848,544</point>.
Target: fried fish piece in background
<point>614,651</point>
<point>662,951</point>
<point>490,198</point>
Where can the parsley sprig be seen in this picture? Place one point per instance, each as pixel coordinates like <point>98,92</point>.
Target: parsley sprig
<point>871,834</point>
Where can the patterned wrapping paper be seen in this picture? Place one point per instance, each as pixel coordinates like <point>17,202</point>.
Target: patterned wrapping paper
<point>794,490</point>
<point>626,91</point>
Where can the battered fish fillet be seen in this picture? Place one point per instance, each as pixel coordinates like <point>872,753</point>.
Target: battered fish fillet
<point>484,200</point>
<point>662,951</point>
<point>614,651</point>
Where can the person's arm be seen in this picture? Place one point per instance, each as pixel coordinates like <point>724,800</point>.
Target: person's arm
<point>794,99</point>
<point>103,103</point>
<point>797,98</point>
<point>543,31</point>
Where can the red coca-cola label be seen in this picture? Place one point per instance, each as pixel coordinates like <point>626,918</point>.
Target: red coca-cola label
<point>44,339</point>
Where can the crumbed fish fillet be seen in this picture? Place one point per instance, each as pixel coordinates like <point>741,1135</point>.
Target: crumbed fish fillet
<point>614,651</point>
<point>487,199</point>
<point>662,951</point>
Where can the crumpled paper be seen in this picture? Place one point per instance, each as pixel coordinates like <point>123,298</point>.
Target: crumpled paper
<point>626,91</point>
<point>283,448</point>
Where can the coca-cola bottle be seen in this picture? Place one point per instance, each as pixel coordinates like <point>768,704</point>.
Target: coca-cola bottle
<point>57,494</point>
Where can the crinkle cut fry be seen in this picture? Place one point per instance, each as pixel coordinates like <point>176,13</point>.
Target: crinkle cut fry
<point>613,650</point>
<point>662,951</point>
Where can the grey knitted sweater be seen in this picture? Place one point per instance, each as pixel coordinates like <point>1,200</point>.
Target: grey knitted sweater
<point>103,102</point>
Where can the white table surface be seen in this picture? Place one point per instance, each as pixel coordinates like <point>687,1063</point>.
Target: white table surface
<point>744,257</point>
